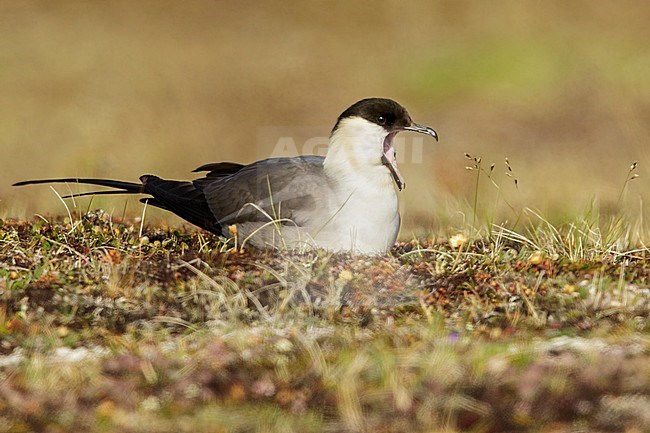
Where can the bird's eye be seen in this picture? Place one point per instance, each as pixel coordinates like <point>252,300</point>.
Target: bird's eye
<point>381,120</point>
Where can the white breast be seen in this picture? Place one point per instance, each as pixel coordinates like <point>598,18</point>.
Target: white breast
<point>367,213</point>
<point>367,221</point>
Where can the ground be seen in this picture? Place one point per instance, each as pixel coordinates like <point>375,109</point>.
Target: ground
<point>110,325</point>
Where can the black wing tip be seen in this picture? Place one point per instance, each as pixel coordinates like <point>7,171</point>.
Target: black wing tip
<point>200,169</point>
<point>147,177</point>
<point>231,167</point>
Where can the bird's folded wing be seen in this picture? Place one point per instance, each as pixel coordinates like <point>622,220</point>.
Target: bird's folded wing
<point>275,188</point>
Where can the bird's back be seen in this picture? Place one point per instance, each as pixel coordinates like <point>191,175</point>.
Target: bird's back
<point>274,188</point>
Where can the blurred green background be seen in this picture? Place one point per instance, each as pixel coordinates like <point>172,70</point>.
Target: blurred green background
<point>120,88</point>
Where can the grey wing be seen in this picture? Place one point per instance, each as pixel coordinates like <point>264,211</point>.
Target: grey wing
<point>278,188</point>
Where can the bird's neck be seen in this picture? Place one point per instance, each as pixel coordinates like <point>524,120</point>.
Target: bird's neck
<point>353,158</point>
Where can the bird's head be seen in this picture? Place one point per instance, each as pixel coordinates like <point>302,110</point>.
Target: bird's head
<point>366,131</point>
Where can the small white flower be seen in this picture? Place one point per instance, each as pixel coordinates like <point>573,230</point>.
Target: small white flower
<point>457,240</point>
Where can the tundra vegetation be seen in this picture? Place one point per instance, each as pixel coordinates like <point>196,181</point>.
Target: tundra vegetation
<point>108,324</point>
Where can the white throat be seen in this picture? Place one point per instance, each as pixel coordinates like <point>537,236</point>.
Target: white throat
<point>354,155</point>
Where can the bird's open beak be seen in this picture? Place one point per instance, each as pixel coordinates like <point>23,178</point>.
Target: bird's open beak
<point>389,160</point>
<point>422,130</point>
<point>388,157</point>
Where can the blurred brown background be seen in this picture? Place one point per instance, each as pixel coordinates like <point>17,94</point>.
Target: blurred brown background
<point>122,88</point>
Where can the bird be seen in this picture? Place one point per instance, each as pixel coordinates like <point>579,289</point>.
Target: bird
<point>344,201</point>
